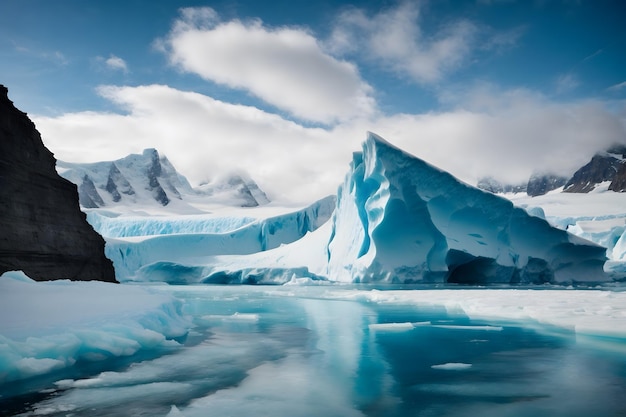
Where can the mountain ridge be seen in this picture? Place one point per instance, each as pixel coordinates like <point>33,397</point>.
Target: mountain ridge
<point>607,166</point>
<point>151,179</point>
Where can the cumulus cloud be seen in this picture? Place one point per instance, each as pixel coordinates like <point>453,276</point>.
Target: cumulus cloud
<point>508,134</point>
<point>285,67</point>
<point>116,63</point>
<point>112,63</point>
<point>395,37</point>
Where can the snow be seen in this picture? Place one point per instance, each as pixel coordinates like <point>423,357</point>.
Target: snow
<point>48,326</point>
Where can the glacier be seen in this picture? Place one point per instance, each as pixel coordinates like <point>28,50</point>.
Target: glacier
<point>396,219</point>
<point>181,254</point>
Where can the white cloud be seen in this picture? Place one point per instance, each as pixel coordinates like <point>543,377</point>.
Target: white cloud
<point>566,83</point>
<point>204,138</point>
<point>112,63</point>
<point>116,63</point>
<point>394,38</point>
<point>507,134</point>
<point>55,57</point>
<point>285,67</point>
<point>617,87</point>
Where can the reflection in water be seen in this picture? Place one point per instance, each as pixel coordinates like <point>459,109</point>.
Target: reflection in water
<point>297,352</point>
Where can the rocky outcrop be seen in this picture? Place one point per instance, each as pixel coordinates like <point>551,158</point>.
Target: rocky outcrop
<point>236,189</point>
<point>496,187</point>
<point>43,231</point>
<point>601,168</point>
<point>542,184</point>
<point>619,181</point>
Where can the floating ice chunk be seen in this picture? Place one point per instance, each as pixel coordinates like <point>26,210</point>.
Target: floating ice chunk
<point>46,326</point>
<point>17,276</point>
<point>480,328</point>
<point>453,366</point>
<point>391,327</point>
<point>233,317</point>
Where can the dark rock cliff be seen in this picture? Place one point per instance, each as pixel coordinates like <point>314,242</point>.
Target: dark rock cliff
<point>601,168</point>
<point>619,181</point>
<point>42,230</point>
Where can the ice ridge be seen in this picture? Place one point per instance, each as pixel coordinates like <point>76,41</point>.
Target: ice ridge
<point>185,253</point>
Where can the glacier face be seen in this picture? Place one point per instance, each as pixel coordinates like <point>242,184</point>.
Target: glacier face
<point>180,250</point>
<point>399,219</point>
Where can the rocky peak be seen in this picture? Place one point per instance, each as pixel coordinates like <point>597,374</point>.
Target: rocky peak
<point>601,168</point>
<point>153,173</point>
<point>619,181</point>
<point>496,187</point>
<point>540,184</point>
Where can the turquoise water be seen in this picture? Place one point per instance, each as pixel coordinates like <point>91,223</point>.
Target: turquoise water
<point>267,351</point>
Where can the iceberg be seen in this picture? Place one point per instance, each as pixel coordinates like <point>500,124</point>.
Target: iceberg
<point>400,219</point>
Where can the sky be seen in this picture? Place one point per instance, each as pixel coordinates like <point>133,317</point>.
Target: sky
<point>286,90</point>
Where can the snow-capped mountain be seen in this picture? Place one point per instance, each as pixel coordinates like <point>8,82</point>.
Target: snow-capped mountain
<point>494,186</point>
<point>604,167</point>
<point>151,179</point>
<point>237,186</point>
<point>540,184</point>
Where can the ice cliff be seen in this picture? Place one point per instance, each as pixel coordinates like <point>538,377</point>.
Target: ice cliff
<point>399,219</point>
<point>176,251</point>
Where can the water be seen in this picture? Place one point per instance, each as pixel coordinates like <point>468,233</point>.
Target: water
<point>280,351</point>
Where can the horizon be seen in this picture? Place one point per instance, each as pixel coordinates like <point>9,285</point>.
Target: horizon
<point>287,92</point>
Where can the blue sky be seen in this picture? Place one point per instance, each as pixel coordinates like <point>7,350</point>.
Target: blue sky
<point>287,89</point>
